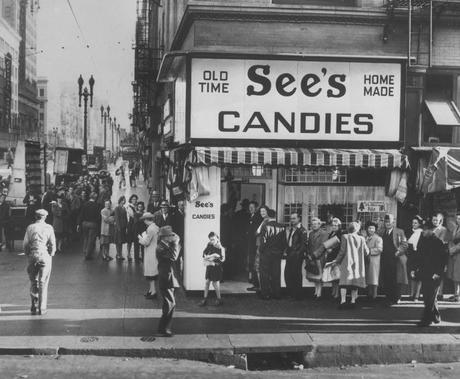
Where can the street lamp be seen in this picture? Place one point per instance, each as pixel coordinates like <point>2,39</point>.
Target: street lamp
<point>104,116</point>
<point>85,94</point>
<point>55,131</point>
<point>114,125</point>
<point>118,138</point>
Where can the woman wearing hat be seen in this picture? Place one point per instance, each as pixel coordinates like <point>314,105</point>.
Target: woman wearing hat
<point>149,239</point>
<point>121,225</point>
<point>167,253</point>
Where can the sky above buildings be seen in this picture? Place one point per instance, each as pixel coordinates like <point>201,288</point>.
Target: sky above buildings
<point>97,39</point>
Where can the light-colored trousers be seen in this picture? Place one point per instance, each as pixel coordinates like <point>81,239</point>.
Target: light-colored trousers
<point>39,271</point>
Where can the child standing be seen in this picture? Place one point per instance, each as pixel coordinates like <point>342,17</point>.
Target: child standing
<point>213,256</point>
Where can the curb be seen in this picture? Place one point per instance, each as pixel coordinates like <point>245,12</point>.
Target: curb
<point>236,350</point>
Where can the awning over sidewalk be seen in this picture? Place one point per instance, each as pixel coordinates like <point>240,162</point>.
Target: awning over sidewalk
<point>223,156</point>
<point>444,112</point>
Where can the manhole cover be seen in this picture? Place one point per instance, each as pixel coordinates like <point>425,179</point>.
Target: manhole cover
<point>89,339</point>
<point>148,339</point>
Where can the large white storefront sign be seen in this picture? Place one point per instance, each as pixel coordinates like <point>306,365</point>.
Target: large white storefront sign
<point>295,100</point>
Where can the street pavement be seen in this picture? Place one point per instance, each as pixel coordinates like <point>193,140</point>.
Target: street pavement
<point>76,367</point>
<point>105,302</point>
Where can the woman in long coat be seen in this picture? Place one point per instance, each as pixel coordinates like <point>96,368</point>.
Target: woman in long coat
<point>149,239</point>
<point>375,245</point>
<point>331,253</point>
<point>120,227</point>
<point>413,257</point>
<point>351,258</point>
<point>107,221</point>
<point>453,267</point>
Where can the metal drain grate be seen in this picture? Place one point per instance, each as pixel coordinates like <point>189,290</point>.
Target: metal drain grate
<point>89,339</point>
<point>148,339</point>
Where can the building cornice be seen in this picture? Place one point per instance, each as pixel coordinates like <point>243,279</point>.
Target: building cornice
<point>11,31</point>
<point>336,15</point>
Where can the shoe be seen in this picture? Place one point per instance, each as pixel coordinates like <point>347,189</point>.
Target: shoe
<point>130,259</point>
<point>120,259</point>
<point>454,299</point>
<point>219,302</point>
<point>437,320</point>
<point>203,303</point>
<point>440,297</point>
<point>42,312</point>
<point>167,334</point>
<point>252,289</point>
<point>33,311</point>
<point>151,296</point>
<point>109,259</point>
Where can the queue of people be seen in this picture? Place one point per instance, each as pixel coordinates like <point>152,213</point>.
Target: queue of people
<point>370,258</point>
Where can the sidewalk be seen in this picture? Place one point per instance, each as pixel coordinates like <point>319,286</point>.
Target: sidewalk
<point>98,308</point>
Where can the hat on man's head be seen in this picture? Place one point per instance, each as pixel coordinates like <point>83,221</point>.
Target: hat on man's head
<point>166,231</point>
<point>147,216</point>
<point>164,204</point>
<point>41,212</point>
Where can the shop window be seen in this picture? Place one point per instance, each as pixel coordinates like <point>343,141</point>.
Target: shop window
<point>248,172</point>
<point>315,175</point>
<point>439,113</point>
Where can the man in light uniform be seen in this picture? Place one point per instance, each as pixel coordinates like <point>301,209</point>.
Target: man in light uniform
<point>40,247</point>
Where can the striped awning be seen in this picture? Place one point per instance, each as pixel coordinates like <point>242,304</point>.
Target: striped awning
<point>223,156</point>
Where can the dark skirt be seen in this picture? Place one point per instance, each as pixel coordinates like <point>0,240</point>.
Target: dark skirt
<point>214,273</point>
<point>131,235</point>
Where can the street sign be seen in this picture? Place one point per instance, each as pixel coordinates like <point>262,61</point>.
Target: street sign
<point>371,206</point>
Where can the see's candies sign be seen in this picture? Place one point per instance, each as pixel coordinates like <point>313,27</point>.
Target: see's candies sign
<point>295,100</point>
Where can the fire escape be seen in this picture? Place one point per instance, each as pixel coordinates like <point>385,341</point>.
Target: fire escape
<point>146,60</point>
<point>422,16</point>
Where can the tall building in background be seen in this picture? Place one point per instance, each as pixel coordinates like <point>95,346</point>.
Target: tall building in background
<point>9,65</point>
<point>42,86</point>
<point>28,95</point>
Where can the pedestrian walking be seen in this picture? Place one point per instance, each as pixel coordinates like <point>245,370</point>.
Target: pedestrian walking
<point>32,202</point>
<point>132,178</point>
<point>413,257</point>
<point>431,267</point>
<point>149,239</point>
<point>39,247</point>
<point>89,224</point>
<point>332,246</point>
<point>131,235</point>
<point>48,198</point>
<point>107,228</point>
<point>375,245</point>
<point>120,227</point>
<point>61,213</point>
<point>273,244</point>
<point>316,255</point>
<point>351,259</point>
<point>393,260</point>
<point>296,249</point>
<point>213,257</point>
<point>167,252</point>
<point>453,269</point>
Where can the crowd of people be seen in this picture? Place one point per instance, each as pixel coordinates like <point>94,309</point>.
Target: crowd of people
<point>372,257</point>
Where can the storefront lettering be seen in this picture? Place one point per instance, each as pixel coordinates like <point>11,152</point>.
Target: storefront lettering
<point>204,217</point>
<point>214,82</point>
<point>310,84</point>
<point>306,123</point>
<point>379,85</point>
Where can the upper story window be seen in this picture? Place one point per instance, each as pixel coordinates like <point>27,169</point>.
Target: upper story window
<point>336,3</point>
<point>439,113</point>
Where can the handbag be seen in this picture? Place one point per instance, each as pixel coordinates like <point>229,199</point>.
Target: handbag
<point>330,273</point>
<point>311,267</point>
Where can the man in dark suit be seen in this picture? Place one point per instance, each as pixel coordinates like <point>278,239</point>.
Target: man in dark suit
<point>296,240</point>
<point>255,219</point>
<point>431,265</point>
<point>178,223</point>
<point>272,247</point>
<point>163,217</point>
<point>394,245</point>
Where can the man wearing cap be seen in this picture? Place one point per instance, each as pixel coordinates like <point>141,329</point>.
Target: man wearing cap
<point>167,253</point>
<point>39,246</point>
<point>162,217</point>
